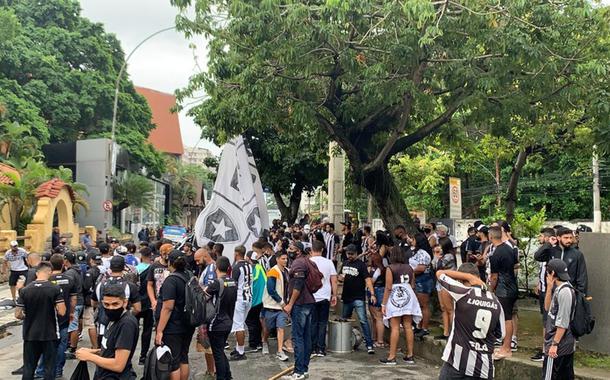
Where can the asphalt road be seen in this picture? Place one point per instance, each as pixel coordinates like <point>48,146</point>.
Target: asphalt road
<point>357,365</point>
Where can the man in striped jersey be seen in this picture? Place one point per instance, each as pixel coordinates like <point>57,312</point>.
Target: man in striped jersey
<point>242,275</point>
<point>478,321</point>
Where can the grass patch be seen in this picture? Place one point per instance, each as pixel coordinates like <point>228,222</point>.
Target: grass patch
<point>591,359</point>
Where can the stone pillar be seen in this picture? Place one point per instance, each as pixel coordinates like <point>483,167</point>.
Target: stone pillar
<point>6,236</point>
<point>336,184</point>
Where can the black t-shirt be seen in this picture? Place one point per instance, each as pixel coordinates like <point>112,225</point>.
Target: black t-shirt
<point>354,283</point>
<point>77,276</point>
<point>89,283</point>
<point>157,273</point>
<point>68,288</point>
<point>503,263</point>
<point>120,335</point>
<point>38,300</point>
<point>191,265</point>
<point>173,289</point>
<point>144,300</point>
<point>224,319</point>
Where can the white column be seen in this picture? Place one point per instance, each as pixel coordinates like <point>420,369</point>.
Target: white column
<point>336,184</point>
<point>597,213</point>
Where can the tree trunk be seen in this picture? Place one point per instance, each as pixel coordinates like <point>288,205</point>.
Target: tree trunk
<point>295,202</point>
<point>392,209</point>
<point>513,182</point>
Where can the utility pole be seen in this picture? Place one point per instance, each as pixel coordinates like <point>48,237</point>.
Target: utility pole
<point>597,212</point>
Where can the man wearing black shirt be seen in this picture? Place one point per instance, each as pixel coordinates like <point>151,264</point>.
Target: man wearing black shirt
<point>356,279</point>
<point>113,360</point>
<point>157,273</point>
<point>146,314</point>
<point>220,328</point>
<point>74,270</point>
<point>69,293</point>
<point>94,258</point>
<point>171,328</point>
<point>37,306</point>
<point>503,283</point>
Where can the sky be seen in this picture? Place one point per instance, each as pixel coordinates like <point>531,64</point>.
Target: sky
<point>165,62</point>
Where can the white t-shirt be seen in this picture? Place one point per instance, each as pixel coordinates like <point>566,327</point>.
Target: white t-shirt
<point>16,260</point>
<point>327,268</point>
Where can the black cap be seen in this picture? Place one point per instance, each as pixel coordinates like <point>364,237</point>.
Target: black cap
<point>96,256</point>
<point>477,223</point>
<point>117,264</point>
<point>483,228</point>
<point>114,240</point>
<point>298,245</point>
<point>174,255</point>
<point>351,248</point>
<point>70,256</point>
<point>81,257</point>
<point>560,268</point>
<point>347,224</point>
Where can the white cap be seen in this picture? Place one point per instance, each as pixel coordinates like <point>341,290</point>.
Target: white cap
<point>307,227</point>
<point>14,243</point>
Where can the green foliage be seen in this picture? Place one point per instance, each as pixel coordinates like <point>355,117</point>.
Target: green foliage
<point>378,77</point>
<point>57,75</point>
<point>132,190</point>
<point>184,180</point>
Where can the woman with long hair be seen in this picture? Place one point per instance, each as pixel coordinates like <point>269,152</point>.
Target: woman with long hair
<point>424,283</point>
<point>399,305</point>
<point>377,271</point>
<point>444,259</point>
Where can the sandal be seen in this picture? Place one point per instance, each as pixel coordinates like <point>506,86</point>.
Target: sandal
<point>380,345</point>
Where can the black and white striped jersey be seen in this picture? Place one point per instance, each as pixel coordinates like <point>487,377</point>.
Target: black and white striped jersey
<point>478,321</point>
<point>242,274</point>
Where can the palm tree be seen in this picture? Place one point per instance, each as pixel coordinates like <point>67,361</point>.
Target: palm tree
<point>133,190</point>
<point>19,196</point>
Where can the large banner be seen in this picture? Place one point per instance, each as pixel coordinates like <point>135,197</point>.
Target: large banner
<point>236,213</point>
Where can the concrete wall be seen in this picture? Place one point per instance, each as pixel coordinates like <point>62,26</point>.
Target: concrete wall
<point>93,169</point>
<point>596,248</point>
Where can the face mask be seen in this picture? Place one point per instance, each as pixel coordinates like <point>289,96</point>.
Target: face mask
<point>427,230</point>
<point>292,255</point>
<point>114,314</point>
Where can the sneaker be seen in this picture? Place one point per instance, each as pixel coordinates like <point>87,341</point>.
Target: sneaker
<point>59,375</point>
<point>513,345</point>
<point>388,361</point>
<point>142,361</point>
<point>250,350</point>
<point>306,374</point>
<point>234,352</point>
<point>265,349</point>
<point>538,356</point>
<point>238,357</point>
<point>297,376</point>
<point>313,355</point>
<point>18,371</point>
<point>441,337</point>
<point>281,356</point>
<point>321,354</point>
<point>498,343</point>
<point>70,355</point>
<point>422,333</point>
<point>227,346</point>
<point>370,350</point>
<point>409,359</point>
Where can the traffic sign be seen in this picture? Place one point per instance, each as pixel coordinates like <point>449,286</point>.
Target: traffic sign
<point>107,206</point>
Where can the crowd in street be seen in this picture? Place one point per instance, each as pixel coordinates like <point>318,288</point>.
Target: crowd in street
<point>282,288</point>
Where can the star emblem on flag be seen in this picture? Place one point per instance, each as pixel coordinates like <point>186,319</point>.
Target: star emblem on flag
<point>254,222</point>
<point>220,228</point>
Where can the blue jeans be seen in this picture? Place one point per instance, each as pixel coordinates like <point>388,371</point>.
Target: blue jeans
<point>360,307</point>
<point>301,336</point>
<point>320,322</point>
<point>60,360</point>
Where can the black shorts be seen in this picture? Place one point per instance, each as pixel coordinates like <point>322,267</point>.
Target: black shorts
<point>179,344</point>
<point>14,276</point>
<point>560,368</point>
<point>507,306</point>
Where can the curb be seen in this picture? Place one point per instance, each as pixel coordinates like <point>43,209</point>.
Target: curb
<point>511,368</point>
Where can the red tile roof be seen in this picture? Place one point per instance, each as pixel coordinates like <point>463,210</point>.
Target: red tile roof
<point>51,189</point>
<point>4,179</point>
<point>166,136</point>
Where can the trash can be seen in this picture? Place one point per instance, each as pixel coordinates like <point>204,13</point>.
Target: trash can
<point>340,337</point>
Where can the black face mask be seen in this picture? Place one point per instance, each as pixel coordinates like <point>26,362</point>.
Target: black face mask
<point>114,314</point>
<point>292,255</point>
<point>427,230</point>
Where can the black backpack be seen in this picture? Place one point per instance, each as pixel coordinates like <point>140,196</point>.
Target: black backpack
<point>583,321</point>
<point>199,309</point>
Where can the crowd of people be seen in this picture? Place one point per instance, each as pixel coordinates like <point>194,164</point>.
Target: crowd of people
<point>122,293</point>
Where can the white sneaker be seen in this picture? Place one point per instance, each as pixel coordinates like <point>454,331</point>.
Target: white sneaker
<point>297,376</point>
<point>281,356</point>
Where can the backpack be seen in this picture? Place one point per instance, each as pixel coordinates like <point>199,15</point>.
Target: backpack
<point>313,281</point>
<point>199,309</point>
<point>102,319</point>
<point>155,367</point>
<point>582,320</point>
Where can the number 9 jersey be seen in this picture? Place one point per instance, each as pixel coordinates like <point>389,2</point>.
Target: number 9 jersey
<point>478,320</point>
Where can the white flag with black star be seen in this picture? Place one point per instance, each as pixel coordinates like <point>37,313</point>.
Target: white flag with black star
<point>237,213</point>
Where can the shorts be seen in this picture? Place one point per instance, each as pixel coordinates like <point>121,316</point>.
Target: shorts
<point>424,284</point>
<point>516,307</point>
<point>14,277</point>
<point>507,306</point>
<point>275,318</point>
<point>78,311</point>
<point>239,317</point>
<point>379,290</point>
<point>179,344</point>
<point>88,318</point>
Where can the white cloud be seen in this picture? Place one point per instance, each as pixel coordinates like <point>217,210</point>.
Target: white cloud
<point>165,62</point>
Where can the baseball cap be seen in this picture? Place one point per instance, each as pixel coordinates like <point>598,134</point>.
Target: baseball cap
<point>252,255</point>
<point>70,256</point>
<point>560,268</point>
<point>174,255</point>
<point>483,228</point>
<point>117,263</point>
<point>14,243</point>
<point>351,248</point>
<point>114,240</point>
<point>121,249</point>
<point>307,227</point>
<point>81,257</point>
<point>298,245</point>
<point>96,256</point>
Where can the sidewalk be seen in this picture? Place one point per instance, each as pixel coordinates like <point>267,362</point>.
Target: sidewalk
<point>7,313</point>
